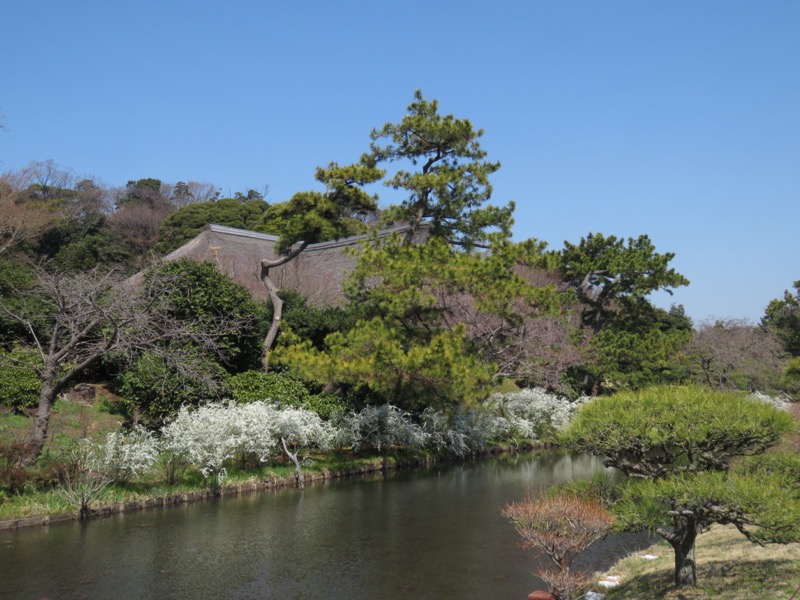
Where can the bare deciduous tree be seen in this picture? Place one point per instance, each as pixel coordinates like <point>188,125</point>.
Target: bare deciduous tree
<point>185,193</point>
<point>74,320</point>
<point>20,220</point>
<point>137,225</point>
<point>529,343</point>
<point>734,354</point>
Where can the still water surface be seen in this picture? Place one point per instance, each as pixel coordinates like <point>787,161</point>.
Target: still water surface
<point>434,534</point>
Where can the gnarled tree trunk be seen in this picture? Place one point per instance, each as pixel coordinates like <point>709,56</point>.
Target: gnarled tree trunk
<point>277,303</point>
<point>682,539</point>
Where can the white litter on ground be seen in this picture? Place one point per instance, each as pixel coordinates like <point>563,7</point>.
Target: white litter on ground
<point>593,596</point>
<point>609,581</point>
<point>650,557</point>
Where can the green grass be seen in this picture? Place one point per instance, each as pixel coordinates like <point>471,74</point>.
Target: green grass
<point>728,567</point>
<point>69,421</point>
<point>38,502</point>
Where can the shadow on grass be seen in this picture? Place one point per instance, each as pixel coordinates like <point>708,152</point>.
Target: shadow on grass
<point>724,579</point>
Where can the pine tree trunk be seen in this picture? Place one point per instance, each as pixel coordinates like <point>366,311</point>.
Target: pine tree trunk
<point>683,545</point>
<point>277,313</point>
<point>277,303</point>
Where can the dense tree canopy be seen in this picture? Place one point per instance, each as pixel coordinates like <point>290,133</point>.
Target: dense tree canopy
<point>437,304</point>
<point>630,342</point>
<point>450,296</point>
<point>782,317</point>
<point>451,190</point>
<point>683,444</point>
<point>187,222</point>
<point>612,277</point>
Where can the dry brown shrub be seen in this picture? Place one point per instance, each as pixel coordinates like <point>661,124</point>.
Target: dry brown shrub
<point>561,526</point>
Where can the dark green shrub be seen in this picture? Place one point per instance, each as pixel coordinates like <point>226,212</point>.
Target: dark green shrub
<point>326,405</point>
<point>19,381</point>
<point>310,322</point>
<point>13,278</point>
<point>791,377</point>
<point>252,386</point>
<point>153,390</point>
<point>200,294</point>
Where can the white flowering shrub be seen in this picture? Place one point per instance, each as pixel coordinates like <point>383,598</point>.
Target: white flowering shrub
<point>256,428</point>
<point>778,403</point>
<point>464,430</point>
<point>130,455</point>
<point>441,435</point>
<point>533,412</point>
<point>214,434</point>
<point>479,427</point>
<point>518,416</point>
<point>302,428</point>
<point>380,427</point>
<point>202,437</point>
<point>210,435</point>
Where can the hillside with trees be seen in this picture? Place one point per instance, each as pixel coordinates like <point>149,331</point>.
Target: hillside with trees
<point>437,319</point>
<point>443,335</point>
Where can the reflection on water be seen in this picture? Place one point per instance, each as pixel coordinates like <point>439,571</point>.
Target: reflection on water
<point>436,534</point>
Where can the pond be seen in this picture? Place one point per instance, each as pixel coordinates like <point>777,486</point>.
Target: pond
<point>432,534</point>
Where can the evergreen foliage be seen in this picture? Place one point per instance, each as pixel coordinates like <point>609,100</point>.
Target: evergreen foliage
<point>153,390</point>
<point>451,191</point>
<point>632,343</point>
<point>254,386</point>
<point>199,292</point>
<point>19,377</point>
<point>187,222</point>
<point>303,321</point>
<point>681,448</point>
<point>373,357</point>
<point>782,317</point>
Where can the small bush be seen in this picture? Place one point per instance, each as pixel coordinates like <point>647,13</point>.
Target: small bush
<point>379,427</point>
<point>464,431</point>
<point>534,413</point>
<point>255,386</point>
<point>130,455</point>
<point>84,476</point>
<point>19,381</point>
<point>791,376</point>
<point>326,405</point>
<point>12,477</point>
<point>154,390</point>
<point>778,403</point>
<point>560,526</point>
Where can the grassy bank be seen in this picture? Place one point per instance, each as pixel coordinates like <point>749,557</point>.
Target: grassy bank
<point>39,497</point>
<point>728,567</point>
<point>46,506</point>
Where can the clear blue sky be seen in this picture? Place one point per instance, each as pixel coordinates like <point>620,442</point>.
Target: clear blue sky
<point>678,119</point>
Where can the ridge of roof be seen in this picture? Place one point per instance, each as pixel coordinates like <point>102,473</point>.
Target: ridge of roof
<point>348,241</point>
